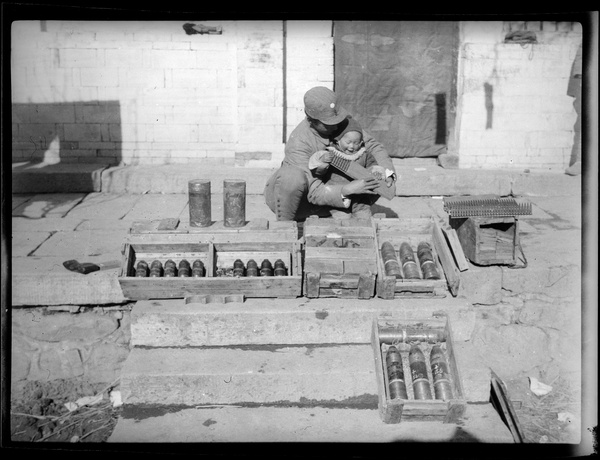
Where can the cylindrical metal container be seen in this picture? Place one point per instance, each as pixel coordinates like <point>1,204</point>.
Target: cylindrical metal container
<point>170,269</point>
<point>234,203</point>
<point>238,268</point>
<point>198,270</point>
<point>184,269</point>
<point>279,268</point>
<point>156,269</point>
<point>266,269</point>
<point>141,270</point>
<point>408,334</point>
<point>409,265</point>
<point>396,383</point>
<point>442,385</point>
<point>428,268</point>
<point>199,201</point>
<point>418,370</point>
<point>251,268</point>
<point>390,261</point>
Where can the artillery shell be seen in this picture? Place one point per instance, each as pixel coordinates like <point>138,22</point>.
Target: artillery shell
<point>141,270</point>
<point>390,262</point>
<point>395,370</point>
<point>279,268</point>
<point>409,265</point>
<point>184,269</point>
<point>392,334</point>
<point>418,370</point>
<point>441,374</point>
<point>266,269</point>
<point>156,269</point>
<point>251,268</point>
<point>238,268</point>
<point>198,270</point>
<point>234,203</point>
<point>425,255</point>
<point>170,268</point>
<point>199,203</point>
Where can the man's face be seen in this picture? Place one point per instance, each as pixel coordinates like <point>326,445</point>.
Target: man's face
<point>323,129</point>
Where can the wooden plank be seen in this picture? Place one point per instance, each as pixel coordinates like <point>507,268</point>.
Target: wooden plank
<point>170,223</point>
<point>360,266</point>
<point>456,248</point>
<point>338,281</point>
<point>339,293</point>
<point>366,285</point>
<point>312,284</point>
<point>340,254</point>
<point>335,231</point>
<point>323,265</point>
<point>450,270</point>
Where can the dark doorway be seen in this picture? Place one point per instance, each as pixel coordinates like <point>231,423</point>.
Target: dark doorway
<point>398,78</point>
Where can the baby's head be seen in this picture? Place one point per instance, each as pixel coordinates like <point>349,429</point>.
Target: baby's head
<point>350,139</point>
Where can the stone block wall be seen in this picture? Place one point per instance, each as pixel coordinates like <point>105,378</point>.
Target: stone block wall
<point>148,93</point>
<point>513,107</point>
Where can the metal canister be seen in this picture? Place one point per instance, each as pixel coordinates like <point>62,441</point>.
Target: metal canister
<point>156,269</point>
<point>251,268</point>
<point>141,270</point>
<point>396,383</point>
<point>390,261</point>
<point>279,268</point>
<point>442,384</point>
<point>238,268</point>
<point>184,269</point>
<point>428,268</point>
<point>409,265</point>
<point>410,334</point>
<point>199,203</point>
<point>418,370</point>
<point>170,269</point>
<point>234,203</point>
<point>198,270</point>
<point>266,269</point>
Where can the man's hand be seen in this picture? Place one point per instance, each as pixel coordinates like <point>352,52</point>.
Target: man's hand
<point>327,156</point>
<point>378,171</point>
<point>360,186</point>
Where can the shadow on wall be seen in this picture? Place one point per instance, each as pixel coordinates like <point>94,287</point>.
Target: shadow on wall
<point>45,135</point>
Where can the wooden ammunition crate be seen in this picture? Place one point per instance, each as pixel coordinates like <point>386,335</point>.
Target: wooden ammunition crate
<point>413,231</point>
<point>217,250</point>
<point>398,332</point>
<point>339,258</point>
<point>488,240</point>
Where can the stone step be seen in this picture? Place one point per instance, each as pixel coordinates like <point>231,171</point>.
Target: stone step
<point>339,375</point>
<point>173,323</point>
<point>481,424</point>
<point>36,177</point>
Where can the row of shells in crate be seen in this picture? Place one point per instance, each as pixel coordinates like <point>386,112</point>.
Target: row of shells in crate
<point>197,269</point>
<point>426,372</point>
<point>403,265</point>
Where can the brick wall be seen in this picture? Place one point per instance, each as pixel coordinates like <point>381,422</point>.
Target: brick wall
<point>513,107</point>
<point>147,93</point>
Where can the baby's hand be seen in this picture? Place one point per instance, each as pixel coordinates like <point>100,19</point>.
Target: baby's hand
<point>378,172</point>
<point>327,156</point>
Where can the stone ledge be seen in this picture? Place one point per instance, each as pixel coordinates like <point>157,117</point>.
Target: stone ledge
<point>31,177</point>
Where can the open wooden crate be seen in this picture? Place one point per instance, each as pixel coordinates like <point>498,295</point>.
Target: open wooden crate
<point>413,231</point>
<point>216,251</point>
<point>402,334</point>
<point>339,258</point>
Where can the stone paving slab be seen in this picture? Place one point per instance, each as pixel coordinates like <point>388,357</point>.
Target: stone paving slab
<point>157,206</point>
<point>109,207</point>
<point>287,374</point>
<point>47,224</point>
<point>44,281</point>
<point>481,424</point>
<point>24,243</point>
<point>173,323</point>
<point>18,199</point>
<point>82,244</point>
<point>48,205</point>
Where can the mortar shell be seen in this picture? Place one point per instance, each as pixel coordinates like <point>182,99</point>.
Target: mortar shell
<point>251,268</point>
<point>141,270</point>
<point>156,269</point>
<point>396,383</point>
<point>266,269</point>
<point>198,270</point>
<point>442,384</point>
<point>428,267</point>
<point>279,268</point>
<point>418,370</point>
<point>238,268</point>
<point>184,269</point>
<point>390,261</point>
